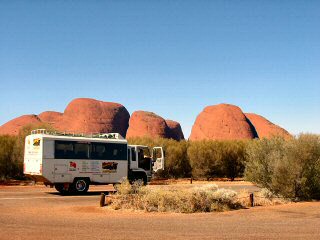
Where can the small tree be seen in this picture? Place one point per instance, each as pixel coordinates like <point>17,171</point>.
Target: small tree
<point>8,165</point>
<point>205,159</point>
<point>290,168</point>
<point>232,158</point>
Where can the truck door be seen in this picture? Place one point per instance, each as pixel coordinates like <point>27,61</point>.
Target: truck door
<point>133,162</point>
<point>158,158</point>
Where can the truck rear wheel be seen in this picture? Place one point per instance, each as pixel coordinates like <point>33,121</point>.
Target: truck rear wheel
<point>62,188</point>
<point>80,185</point>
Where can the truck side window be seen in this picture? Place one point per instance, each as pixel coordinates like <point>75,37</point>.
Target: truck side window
<point>133,154</point>
<point>80,151</point>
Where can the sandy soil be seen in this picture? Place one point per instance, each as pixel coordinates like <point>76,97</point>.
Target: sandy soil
<point>36,212</point>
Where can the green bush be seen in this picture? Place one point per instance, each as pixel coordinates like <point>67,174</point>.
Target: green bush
<point>290,168</point>
<point>217,158</point>
<point>204,159</point>
<point>9,166</point>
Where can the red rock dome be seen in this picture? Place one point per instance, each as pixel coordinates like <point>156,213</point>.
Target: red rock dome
<point>13,126</point>
<point>82,115</point>
<point>222,122</point>
<point>147,124</point>
<point>93,116</point>
<point>50,117</point>
<point>175,131</point>
<point>265,128</point>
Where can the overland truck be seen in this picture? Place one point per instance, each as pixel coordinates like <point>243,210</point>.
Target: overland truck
<point>71,162</point>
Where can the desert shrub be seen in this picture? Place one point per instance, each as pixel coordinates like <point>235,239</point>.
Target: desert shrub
<point>9,165</point>
<point>176,158</point>
<point>290,168</point>
<point>261,198</point>
<point>217,158</point>
<point>178,164</point>
<point>204,159</point>
<point>12,151</point>
<point>233,154</point>
<point>207,198</point>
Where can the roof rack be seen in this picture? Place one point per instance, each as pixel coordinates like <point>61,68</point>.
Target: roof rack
<point>73,134</point>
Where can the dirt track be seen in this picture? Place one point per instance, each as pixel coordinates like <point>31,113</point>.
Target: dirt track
<point>39,213</point>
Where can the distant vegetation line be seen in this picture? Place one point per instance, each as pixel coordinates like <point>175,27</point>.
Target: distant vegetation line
<point>287,167</point>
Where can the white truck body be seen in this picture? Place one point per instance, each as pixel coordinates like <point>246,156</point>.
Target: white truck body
<point>102,160</point>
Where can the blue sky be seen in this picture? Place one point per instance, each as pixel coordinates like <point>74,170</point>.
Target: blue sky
<point>170,57</point>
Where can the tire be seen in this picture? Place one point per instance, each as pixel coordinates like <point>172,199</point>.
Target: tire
<point>145,180</point>
<point>61,188</point>
<point>80,185</point>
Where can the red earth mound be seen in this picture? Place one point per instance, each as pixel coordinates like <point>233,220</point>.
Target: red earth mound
<point>175,130</point>
<point>222,122</point>
<point>93,116</point>
<point>50,117</point>
<point>265,128</point>
<point>13,126</point>
<point>82,115</point>
<point>147,124</point>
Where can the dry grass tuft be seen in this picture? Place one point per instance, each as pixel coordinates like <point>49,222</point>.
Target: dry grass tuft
<point>206,198</point>
<point>261,198</point>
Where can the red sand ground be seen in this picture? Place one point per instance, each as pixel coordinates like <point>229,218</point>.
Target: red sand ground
<point>35,212</point>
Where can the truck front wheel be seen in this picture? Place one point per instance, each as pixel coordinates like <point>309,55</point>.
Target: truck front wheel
<point>141,178</point>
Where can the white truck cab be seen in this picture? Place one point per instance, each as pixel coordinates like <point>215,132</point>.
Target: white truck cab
<point>141,159</point>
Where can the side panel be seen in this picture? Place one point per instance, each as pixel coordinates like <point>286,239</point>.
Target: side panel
<point>120,173</point>
<point>61,173</point>
<point>99,171</point>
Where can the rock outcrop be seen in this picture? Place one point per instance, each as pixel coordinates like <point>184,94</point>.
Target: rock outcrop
<point>147,124</point>
<point>265,128</point>
<point>50,117</point>
<point>85,115</point>
<point>13,126</point>
<point>93,116</point>
<point>175,131</point>
<point>82,115</point>
<point>222,122</point>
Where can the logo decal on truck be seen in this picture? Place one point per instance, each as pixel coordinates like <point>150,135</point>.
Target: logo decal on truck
<point>36,142</point>
<point>110,167</point>
<point>72,166</point>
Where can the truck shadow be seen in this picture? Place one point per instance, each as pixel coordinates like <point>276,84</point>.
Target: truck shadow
<point>89,193</point>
